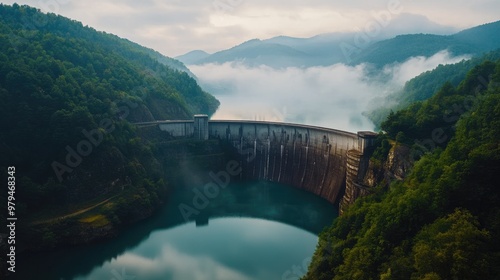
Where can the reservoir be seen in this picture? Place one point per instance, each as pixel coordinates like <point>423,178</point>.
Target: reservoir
<point>249,231</point>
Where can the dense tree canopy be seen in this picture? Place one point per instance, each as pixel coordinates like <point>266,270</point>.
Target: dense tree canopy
<point>69,95</point>
<point>441,222</point>
<point>428,83</point>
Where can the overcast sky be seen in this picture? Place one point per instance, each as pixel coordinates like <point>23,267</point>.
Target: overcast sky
<point>174,27</point>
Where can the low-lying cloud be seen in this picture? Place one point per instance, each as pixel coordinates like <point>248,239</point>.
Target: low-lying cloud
<point>333,96</point>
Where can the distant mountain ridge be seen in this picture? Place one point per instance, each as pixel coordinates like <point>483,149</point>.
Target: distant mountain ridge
<point>474,41</point>
<point>328,49</point>
<point>257,52</point>
<point>193,56</point>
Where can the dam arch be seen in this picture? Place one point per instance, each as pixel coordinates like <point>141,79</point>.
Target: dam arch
<point>306,157</point>
<point>312,158</point>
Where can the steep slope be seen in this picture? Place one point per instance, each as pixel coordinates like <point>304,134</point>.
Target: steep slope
<point>31,24</point>
<point>441,221</point>
<point>69,95</point>
<point>427,84</point>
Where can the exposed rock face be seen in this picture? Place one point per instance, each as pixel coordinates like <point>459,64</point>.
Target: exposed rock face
<point>363,174</point>
<point>398,162</point>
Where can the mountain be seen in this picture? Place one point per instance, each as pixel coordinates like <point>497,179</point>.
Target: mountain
<point>483,38</point>
<point>21,24</point>
<point>441,220</point>
<point>256,52</point>
<point>379,49</point>
<point>473,41</point>
<point>425,85</point>
<point>328,48</point>
<point>406,23</point>
<point>70,96</point>
<point>192,56</point>
<point>276,52</point>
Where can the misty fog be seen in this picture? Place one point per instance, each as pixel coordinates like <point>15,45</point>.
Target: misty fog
<point>333,96</point>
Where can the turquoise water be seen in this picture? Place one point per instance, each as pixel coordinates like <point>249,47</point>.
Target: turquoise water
<point>248,231</point>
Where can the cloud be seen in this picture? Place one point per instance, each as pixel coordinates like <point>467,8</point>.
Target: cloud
<point>414,66</point>
<point>333,96</point>
<point>176,27</point>
<point>228,248</point>
<point>169,264</point>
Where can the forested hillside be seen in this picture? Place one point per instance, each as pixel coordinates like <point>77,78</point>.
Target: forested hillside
<point>69,95</point>
<point>427,84</point>
<point>442,220</point>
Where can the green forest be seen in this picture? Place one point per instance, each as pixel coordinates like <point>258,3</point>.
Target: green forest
<point>426,84</point>
<point>70,96</point>
<point>443,220</point>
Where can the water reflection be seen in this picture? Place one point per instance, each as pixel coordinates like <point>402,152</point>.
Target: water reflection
<point>230,248</point>
<point>249,231</point>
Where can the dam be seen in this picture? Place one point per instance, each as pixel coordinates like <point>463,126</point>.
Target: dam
<point>322,161</point>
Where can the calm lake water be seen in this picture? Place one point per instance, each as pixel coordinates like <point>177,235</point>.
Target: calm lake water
<point>256,230</point>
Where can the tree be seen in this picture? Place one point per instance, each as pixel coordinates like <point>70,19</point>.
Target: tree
<point>452,248</point>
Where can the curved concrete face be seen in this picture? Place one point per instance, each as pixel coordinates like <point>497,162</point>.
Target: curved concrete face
<point>306,157</point>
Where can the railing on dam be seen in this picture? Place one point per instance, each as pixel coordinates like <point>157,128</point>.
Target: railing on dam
<point>307,157</point>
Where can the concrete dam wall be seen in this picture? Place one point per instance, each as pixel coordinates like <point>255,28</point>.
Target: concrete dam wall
<point>307,157</point>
